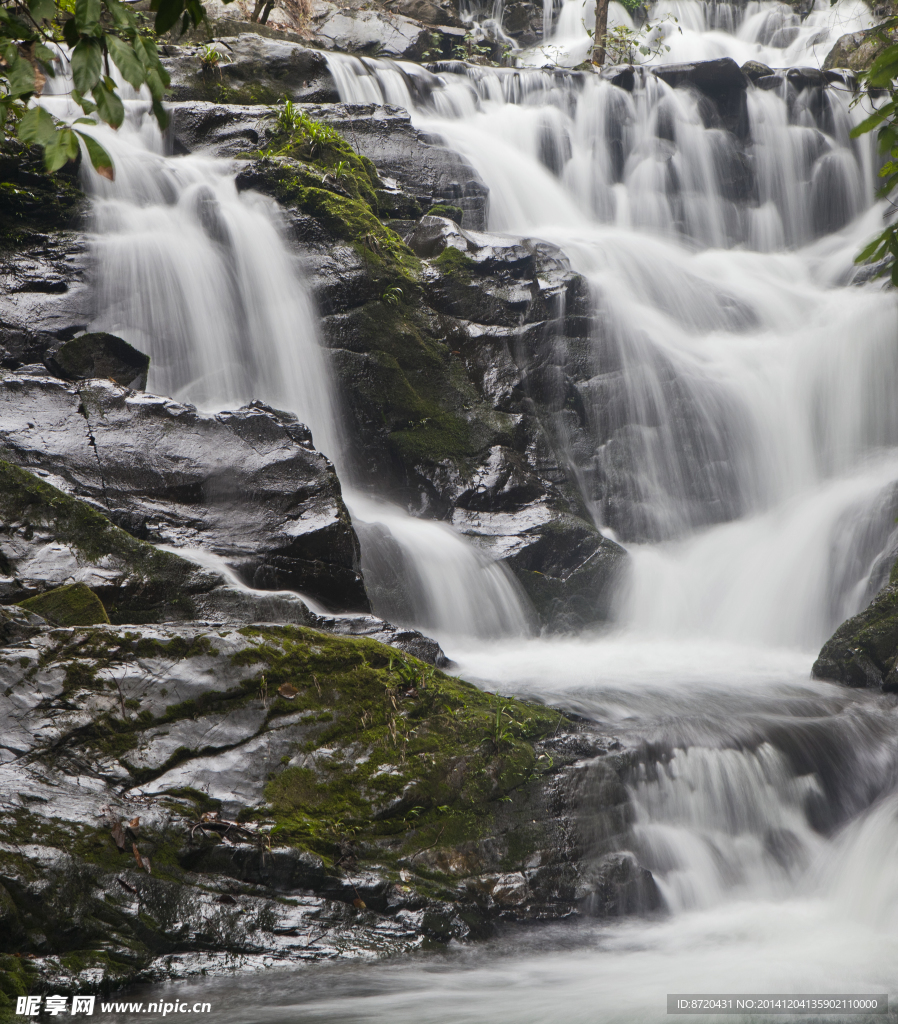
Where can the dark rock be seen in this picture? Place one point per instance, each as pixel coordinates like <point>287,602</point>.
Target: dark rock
<point>754,69</point>
<point>621,75</point>
<point>99,355</point>
<point>713,77</point>
<point>863,652</point>
<point>807,78</point>
<point>246,485</point>
<point>43,296</point>
<point>722,81</point>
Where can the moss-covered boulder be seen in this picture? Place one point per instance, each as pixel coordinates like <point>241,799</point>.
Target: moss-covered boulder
<point>73,605</point>
<point>283,793</point>
<point>863,652</point>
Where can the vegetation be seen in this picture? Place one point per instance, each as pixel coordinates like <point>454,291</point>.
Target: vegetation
<point>879,79</point>
<point>98,34</point>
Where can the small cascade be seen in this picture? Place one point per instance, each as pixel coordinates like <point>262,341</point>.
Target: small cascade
<point>422,573</point>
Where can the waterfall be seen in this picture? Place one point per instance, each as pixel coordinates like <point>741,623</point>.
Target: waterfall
<point>739,412</point>
<point>740,436</point>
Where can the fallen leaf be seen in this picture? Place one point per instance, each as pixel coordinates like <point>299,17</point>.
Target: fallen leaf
<point>126,886</point>
<point>288,691</point>
<point>134,823</point>
<point>359,904</point>
<point>118,834</point>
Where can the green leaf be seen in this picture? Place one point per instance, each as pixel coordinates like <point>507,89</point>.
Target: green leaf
<point>167,14</point>
<point>36,127</point>
<point>154,84</point>
<point>47,57</point>
<point>87,64</point>
<point>161,115</point>
<point>70,32</point>
<point>87,16</point>
<point>101,160</point>
<point>122,15</point>
<point>19,76</point>
<point>60,149</point>
<point>873,121</point>
<point>42,10</point>
<point>126,60</point>
<point>109,104</point>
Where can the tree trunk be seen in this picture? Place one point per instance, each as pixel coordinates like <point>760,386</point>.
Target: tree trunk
<point>257,10</point>
<point>598,40</point>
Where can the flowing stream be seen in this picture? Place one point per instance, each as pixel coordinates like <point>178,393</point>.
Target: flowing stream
<point>742,396</point>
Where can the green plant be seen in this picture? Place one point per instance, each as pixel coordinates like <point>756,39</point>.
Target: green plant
<point>98,33</point>
<point>392,296</point>
<point>879,78</point>
<point>471,47</point>
<point>501,733</point>
<point>212,58</point>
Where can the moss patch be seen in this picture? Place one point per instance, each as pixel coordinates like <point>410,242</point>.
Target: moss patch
<point>74,605</point>
<point>454,262</point>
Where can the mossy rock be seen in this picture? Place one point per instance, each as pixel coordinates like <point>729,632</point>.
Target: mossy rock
<point>162,582</point>
<point>72,605</point>
<point>863,652</point>
<point>455,213</point>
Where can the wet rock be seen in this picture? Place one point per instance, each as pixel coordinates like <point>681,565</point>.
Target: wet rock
<point>754,69</point>
<point>144,743</point>
<point>722,81</point>
<point>43,296</point>
<point>99,355</point>
<point>246,485</point>
<point>259,71</point>
<point>372,32</point>
<point>863,652</point>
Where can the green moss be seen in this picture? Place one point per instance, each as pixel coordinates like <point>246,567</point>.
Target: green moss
<point>408,747</point>
<point>73,605</point>
<point>455,213</point>
<point>454,262</point>
<point>161,579</point>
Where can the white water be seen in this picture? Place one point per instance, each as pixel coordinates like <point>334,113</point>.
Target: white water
<point>746,387</point>
<point>689,30</point>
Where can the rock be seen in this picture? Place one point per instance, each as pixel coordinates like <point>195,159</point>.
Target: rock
<point>863,652</point>
<point>754,69</point>
<point>260,71</point>
<point>856,51</point>
<point>152,739</point>
<point>72,605</point>
<point>43,296</point>
<point>372,32</point>
<point>722,81</point>
<point>99,355</point>
<point>246,485</point>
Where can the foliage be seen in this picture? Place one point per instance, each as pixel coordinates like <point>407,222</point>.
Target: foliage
<point>881,76</point>
<point>473,46</point>
<point>37,36</point>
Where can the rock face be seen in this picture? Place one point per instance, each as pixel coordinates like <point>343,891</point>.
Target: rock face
<point>247,486</point>
<point>857,50</point>
<point>127,758</point>
<point>863,652</point>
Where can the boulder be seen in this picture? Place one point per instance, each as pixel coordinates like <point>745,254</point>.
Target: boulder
<point>721,81</point>
<point>246,485</point>
<point>863,652</point>
<point>257,71</point>
<point>72,605</point>
<point>856,51</point>
<point>99,355</point>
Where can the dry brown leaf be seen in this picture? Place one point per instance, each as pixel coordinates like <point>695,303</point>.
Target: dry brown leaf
<point>359,904</point>
<point>118,834</point>
<point>134,823</point>
<point>288,691</point>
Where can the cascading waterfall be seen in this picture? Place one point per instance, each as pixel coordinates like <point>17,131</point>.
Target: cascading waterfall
<point>740,437</point>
